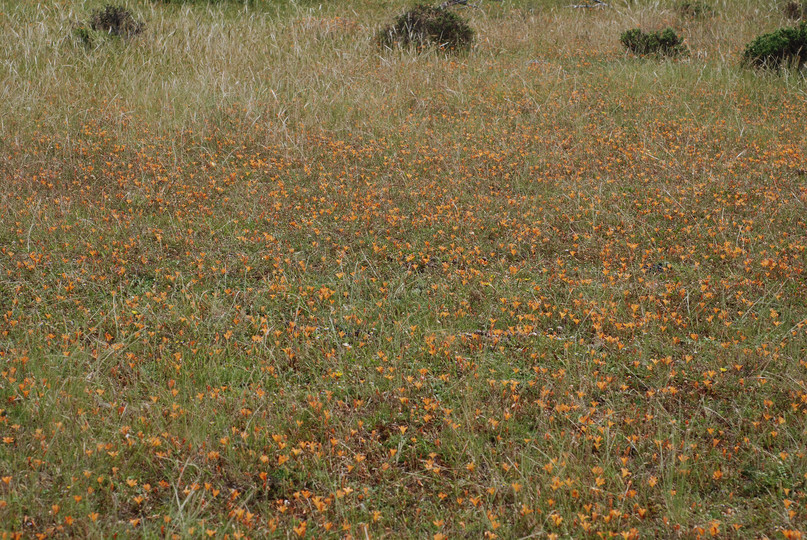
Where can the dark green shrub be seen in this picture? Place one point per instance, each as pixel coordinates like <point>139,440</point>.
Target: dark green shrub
<point>694,9</point>
<point>425,25</point>
<point>785,47</point>
<point>663,43</point>
<point>110,22</point>
<point>116,21</point>
<point>795,10</point>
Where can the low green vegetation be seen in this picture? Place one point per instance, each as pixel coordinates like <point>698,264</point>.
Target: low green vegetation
<point>661,42</point>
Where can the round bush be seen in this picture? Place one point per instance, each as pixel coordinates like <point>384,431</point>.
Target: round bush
<point>784,47</point>
<point>425,25</point>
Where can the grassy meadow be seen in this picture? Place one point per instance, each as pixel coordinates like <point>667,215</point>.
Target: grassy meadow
<point>259,277</point>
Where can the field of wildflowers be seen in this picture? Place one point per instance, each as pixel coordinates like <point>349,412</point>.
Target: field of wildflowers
<point>259,277</point>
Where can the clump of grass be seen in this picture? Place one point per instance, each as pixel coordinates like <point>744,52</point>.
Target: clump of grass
<point>662,42</point>
<point>795,10</point>
<point>786,47</point>
<point>426,25</point>
<point>109,21</point>
<point>694,9</point>
<point>116,21</point>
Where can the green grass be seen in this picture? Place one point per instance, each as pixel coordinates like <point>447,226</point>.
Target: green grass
<point>257,272</point>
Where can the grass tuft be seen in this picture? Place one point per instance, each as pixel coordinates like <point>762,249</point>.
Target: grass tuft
<point>795,9</point>
<point>695,9</point>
